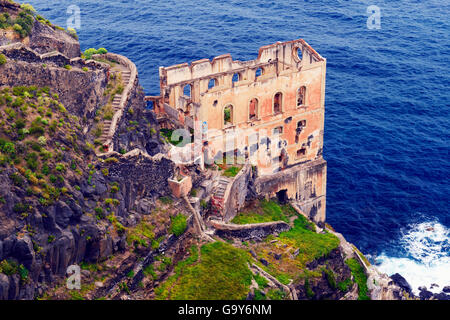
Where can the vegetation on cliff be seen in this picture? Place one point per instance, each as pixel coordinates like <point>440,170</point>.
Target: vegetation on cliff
<point>360,278</point>
<point>220,271</point>
<point>29,118</point>
<point>264,211</point>
<point>21,22</point>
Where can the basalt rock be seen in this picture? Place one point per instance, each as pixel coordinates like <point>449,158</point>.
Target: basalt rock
<point>401,282</point>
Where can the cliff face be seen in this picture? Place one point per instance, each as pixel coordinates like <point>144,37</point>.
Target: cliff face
<point>80,85</point>
<point>59,203</point>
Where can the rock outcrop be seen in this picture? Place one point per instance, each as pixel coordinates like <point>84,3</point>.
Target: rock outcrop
<point>44,37</point>
<point>80,90</point>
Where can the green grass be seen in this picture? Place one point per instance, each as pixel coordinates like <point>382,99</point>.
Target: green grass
<point>142,234</point>
<point>166,200</point>
<point>311,245</point>
<point>220,273</point>
<point>150,271</point>
<point>345,285</point>
<point>261,281</point>
<point>178,224</point>
<point>265,211</point>
<point>231,172</point>
<point>360,278</point>
<point>276,294</point>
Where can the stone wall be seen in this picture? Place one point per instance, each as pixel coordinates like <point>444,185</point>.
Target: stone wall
<point>305,184</point>
<point>142,176</point>
<point>80,91</point>
<point>257,231</point>
<point>235,199</point>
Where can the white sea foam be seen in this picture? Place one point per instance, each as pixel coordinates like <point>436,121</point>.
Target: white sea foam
<point>427,259</point>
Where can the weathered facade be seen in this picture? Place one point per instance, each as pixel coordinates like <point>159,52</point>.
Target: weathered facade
<point>268,111</point>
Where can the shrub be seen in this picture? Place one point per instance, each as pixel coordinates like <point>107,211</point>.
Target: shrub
<point>111,160</point>
<point>8,267</point>
<point>23,272</point>
<point>2,59</point>
<point>28,8</point>
<point>102,51</point>
<point>73,33</point>
<point>9,148</point>
<point>60,167</point>
<point>31,159</point>
<point>42,140</point>
<point>178,224</point>
<point>21,207</point>
<point>18,102</point>
<point>91,51</point>
<point>17,179</point>
<point>17,27</point>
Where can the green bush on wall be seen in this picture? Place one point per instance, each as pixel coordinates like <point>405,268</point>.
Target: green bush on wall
<point>88,53</point>
<point>2,59</point>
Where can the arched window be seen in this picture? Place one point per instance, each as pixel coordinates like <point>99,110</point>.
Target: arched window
<point>259,72</point>
<point>236,77</point>
<point>228,115</point>
<point>212,83</point>
<point>277,103</point>
<point>253,109</point>
<point>299,54</point>
<point>187,90</point>
<point>301,96</point>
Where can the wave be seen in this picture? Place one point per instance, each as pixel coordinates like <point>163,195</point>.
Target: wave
<point>426,257</point>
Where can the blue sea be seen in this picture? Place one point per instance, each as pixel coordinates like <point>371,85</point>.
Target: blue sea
<point>387,124</point>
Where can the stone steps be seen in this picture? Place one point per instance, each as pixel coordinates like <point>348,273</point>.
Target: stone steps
<point>221,188</point>
<point>126,75</point>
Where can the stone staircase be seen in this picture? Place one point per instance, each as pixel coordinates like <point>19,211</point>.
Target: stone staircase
<point>218,198</point>
<point>126,74</point>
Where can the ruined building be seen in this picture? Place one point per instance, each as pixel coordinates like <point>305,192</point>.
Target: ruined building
<point>268,112</point>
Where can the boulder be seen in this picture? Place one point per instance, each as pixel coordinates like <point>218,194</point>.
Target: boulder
<point>4,286</point>
<point>401,282</point>
<point>425,294</point>
<point>24,252</point>
<point>63,214</point>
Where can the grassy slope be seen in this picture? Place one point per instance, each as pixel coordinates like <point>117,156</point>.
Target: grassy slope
<point>360,278</point>
<point>301,237</point>
<point>220,272</point>
<point>264,211</point>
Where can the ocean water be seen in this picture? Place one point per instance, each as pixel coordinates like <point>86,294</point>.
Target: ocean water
<point>387,101</point>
